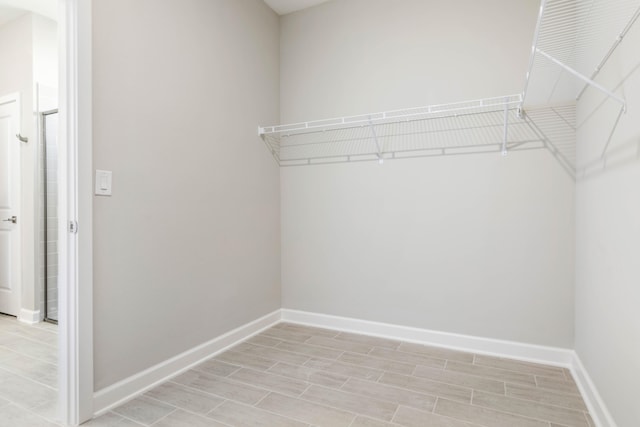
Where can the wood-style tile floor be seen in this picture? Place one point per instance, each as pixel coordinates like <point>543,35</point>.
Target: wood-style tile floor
<point>293,375</point>
<point>28,374</point>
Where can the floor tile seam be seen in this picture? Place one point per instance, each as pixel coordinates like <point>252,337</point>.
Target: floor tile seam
<point>255,406</point>
<point>537,402</point>
<point>356,395</point>
<point>516,371</point>
<point>339,349</point>
<point>497,369</point>
<point>29,379</point>
<point>374,399</point>
<point>310,345</point>
<point>405,389</point>
<point>53,347</point>
<point>519,415</point>
<point>195,368</point>
<point>129,418</point>
<point>370,344</point>
<point>160,419</point>
<point>239,383</point>
<point>31,338</point>
<point>354,414</point>
<point>523,363</point>
<point>273,374</point>
<point>430,380</point>
<point>570,382</point>
<point>377,358</point>
<point>36,378</point>
<point>57,410</point>
<point>4,361</point>
<point>19,353</point>
<point>175,409</point>
<point>381,372</point>
<point>483,376</point>
<point>30,411</point>
<point>436,357</point>
<point>575,393</point>
<point>350,412</point>
<point>37,359</point>
<point>471,424</point>
<point>191,388</point>
<point>383,359</point>
<point>545,390</point>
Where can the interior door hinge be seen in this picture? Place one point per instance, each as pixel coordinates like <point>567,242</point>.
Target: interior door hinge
<point>73,227</point>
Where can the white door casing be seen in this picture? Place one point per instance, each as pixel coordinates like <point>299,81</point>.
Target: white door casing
<point>10,265</point>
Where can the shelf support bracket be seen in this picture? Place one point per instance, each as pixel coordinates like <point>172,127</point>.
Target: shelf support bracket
<point>585,79</point>
<point>506,127</point>
<point>375,139</point>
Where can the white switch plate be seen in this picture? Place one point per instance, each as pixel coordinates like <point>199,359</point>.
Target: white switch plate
<point>103,182</point>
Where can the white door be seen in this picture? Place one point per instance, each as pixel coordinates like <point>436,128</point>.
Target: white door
<point>9,206</point>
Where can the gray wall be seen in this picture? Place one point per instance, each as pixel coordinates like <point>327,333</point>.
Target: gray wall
<point>608,236</point>
<point>476,244</point>
<point>188,246</point>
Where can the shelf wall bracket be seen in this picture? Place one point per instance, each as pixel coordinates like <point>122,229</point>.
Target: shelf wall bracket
<point>585,79</point>
<point>506,127</point>
<point>375,139</point>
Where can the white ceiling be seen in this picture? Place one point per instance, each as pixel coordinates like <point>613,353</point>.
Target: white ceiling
<point>282,7</point>
<point>11,9</point>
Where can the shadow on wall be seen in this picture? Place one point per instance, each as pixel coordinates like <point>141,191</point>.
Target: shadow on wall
<point>624,153</point>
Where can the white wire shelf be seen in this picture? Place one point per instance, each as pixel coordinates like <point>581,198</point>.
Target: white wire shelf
<point>457,128</point>
<point>573,41</point>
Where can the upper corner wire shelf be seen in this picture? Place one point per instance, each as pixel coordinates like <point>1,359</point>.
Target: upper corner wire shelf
<point>573,41</point>
<point>485,125</point>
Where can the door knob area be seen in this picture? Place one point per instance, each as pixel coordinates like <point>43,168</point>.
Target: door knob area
<point>13,219</point>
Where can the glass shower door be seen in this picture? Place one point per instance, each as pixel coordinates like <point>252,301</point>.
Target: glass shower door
<point>50,175</point>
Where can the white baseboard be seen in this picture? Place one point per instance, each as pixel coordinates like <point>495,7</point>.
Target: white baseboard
<point>122,391</point>
<point>30,317</point>
<point>597,408</point>
<point>489,346</point>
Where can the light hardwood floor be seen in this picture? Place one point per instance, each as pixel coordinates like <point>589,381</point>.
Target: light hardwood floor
<point>28,374</point>
<point>293,375</point>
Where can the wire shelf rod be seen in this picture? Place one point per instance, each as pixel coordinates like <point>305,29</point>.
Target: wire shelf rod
<point>583,78</point>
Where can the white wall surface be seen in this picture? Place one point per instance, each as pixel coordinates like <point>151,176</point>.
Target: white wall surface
<point>476,244</point>
<point>608,236</point>
<point>188,246</point>
<point>45,51</point>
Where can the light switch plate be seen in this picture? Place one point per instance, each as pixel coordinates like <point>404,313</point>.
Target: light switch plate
<point>103,182</point>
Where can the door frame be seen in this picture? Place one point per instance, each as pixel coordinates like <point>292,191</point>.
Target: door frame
<point>75,348</point>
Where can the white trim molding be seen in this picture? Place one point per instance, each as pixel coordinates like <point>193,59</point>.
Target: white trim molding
<point>514,350</point>
<point>30,317</point>
<point>124,390</point>
<point>597,408</point>
<point>75,350</point>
